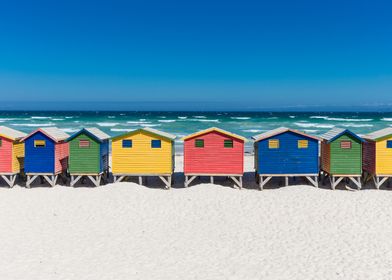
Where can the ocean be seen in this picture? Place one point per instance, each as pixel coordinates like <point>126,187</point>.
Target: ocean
<point>182,123</point>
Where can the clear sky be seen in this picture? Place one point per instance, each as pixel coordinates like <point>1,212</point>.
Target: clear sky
<point>258,54</point>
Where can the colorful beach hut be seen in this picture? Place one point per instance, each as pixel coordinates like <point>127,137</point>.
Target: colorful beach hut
<point>143,152</point>
<point>341,156</point>
<point>11,154</point>
<point>88,155</point>
<point>46,154</point>
<point>214,152</point>
<point>285,152</point>
<point>377,156</point>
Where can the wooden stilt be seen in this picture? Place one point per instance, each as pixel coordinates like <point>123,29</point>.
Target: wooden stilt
<point>9,179</point>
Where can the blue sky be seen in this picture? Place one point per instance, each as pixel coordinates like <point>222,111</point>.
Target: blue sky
<point>260,54</point>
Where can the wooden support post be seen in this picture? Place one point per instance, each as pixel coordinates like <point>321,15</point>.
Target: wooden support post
<point>74,180</point>
<point>140,180</point>
<point>238,181</point>
<point>211,179</point>
<point>30,180</point>
<point>356,181</point>
<point>286,181</point>
<point>263,182</point>
<point>11,180</point>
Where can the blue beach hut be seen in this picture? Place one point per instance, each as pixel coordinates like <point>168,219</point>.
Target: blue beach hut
<point>285,152</point>
<point>46,154</point>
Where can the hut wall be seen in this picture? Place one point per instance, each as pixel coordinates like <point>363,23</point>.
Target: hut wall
<point>346,161</point>
<point>61,157</point>
<point>84,160</point>
<point>39,160</point>
<point>325,157</point>
<point>18,153</point>
<point>369,157</point>
<point>288,158</point>
<point>214,158</point>
<point>141,158</point>
<point>6,155</point>
<point>104,156</point>
<point>383,158</point>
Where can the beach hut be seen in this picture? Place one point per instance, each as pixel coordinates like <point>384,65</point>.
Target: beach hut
<point>377,156</point>
<point>88,155</point>
<point>341,156</point>
<point>11,154</point>
<point>143,152</point>
<point>214,152</point>
<point>285,152</point>
<point>46,154</point>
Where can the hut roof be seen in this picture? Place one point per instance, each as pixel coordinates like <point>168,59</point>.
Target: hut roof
<point>53,133</point>
<point>337,132</point>
<point>281,130</point>
<point>11,134</point>
<point>93,132</point>
<point>153,131</point>
<point>211,129</point>
<point>379,134</point>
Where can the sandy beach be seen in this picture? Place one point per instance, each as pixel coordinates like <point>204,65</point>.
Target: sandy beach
<point>127,231</point>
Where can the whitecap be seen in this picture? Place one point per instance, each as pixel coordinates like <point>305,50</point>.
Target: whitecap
<point>69,130</point>
<point>292,117</point>
<point>40,118</point>
<point>106,124</point>
<point>204,120</point>
<point>316,125</point>
<point>167,121</point>
<point>387,119</point>
<point>253,130</point>
<point>111,117</point>
<point>200,117</point>
<point>310,130</point>
<point>121,129</point>
<point>356,125</point>
<point>69,117</point>
<point>151,125</point>
<point>57,119</point>
<point>318,117</point>
<point>33,124</point>
<point>348,120</point>
<point>138,122</point>
<point>240,118</point>
<point>182,118</point>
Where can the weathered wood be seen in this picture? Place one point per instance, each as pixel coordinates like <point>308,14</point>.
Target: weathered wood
<point>264,182</point>
<point>314,181</point>
<point>9,179</point>
<point>188,181</point>
<point>75,180</point>
<point>238,181</point>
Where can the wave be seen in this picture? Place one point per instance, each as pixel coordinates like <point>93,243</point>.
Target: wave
<point>240,118</point>
<point>69,130</point>
<point>292,117</point>
<point>121,129</point>
<point>167,121</point>
<point>356,125</point>
<point>69,117</point>
<point>316,125</point>
<point>111,117</point>
<point>151,125</point>
<point>340,119</point>
<point>33,124</point>
<point>200,117</point>
<point>387,119</point>
<point>138,122</point>
<point>182,118</point>
<point>57,119</point>
<point>311,130</point>
<point>107,124</point>
<point>253,130</point>
<point>40,118</point>
<point>204,120</point>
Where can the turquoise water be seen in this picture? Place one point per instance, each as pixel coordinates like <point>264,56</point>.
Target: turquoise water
<point>182,123</point>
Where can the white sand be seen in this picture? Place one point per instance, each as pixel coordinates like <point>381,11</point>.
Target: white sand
<point>126,231</point>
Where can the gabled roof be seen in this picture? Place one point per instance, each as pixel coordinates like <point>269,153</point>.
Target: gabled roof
<point>11,134</point>
<point>379,134</point>
<point>281,130</point>
<point>153,131</point>
<point>53,133</point>
<point>93,132</point>
<point>337,132</point>
<point>211,129</point>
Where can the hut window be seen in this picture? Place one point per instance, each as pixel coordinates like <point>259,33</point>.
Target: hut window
<point>273,144</point>
<point>127,143</point>
<point>199,143</point>
<point>389,144</point>
<point>303,144</point>
<point>345,145</point>
<point>156,144</point>
<point>228,143</point>
<point>39,143</point>
<point>84,144</point>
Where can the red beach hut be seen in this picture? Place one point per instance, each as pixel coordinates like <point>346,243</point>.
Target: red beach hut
<point>214,152</point>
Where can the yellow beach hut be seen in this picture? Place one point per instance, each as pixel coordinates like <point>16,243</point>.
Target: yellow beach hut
<point>143,152</point>
<point>377,156</point>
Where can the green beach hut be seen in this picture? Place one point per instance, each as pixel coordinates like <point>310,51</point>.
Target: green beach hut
<point>88,155</point>
<point>341,156</point>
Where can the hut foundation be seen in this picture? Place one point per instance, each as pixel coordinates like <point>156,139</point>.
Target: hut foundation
<point>336,179</point>
<point>9,178</point>
<point>165,178</point>
<point>51,179</point>
<point>237,179</point>
<point>96,179</point>
<point>263,179</point>
<point>378,180</point>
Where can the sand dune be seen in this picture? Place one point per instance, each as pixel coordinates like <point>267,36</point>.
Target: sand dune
<point>126,231</point>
